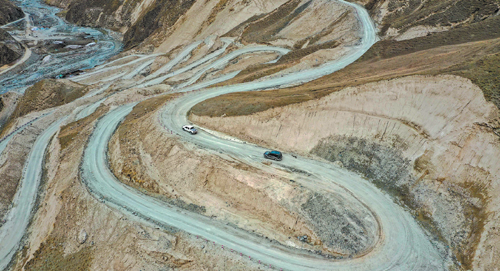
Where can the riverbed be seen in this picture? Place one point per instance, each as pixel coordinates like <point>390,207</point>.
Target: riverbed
<point>56,48</point>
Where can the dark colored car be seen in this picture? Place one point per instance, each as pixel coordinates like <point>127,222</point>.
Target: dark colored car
<point>273,155</point>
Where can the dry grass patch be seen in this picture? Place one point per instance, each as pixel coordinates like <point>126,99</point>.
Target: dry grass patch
<point>474,60</point>
<point>50,256</point>
<point>127,134</point>
<point>246,103</point>
<point>484,72</point>
<point>46,94</point>
<point>73,131</point>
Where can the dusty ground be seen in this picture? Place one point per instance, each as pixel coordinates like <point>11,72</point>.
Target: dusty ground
<point>427,141</point>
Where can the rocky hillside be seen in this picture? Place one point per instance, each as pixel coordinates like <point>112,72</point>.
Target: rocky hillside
<point>420,139</point>
<point>430,38</point>
<point>408,19</point>
<point>10,49</point>
<point>9,12</point>
<point>417,116</point>
<point>476,34</point>
<point>136,19</point>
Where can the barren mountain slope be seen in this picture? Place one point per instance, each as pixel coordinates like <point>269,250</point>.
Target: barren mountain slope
<point>404,116</point>
<point>10,49</point>
<point>427,141</point>
<point>469,49</point>
<point>73,230</point>
<point>229,190</point>
<point>163,25</point>
<point>464,44</point>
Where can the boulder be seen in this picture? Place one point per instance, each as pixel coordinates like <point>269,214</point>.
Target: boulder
<point>82,236</point>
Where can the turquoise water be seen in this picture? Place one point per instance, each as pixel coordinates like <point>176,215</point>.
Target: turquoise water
<point>45,28</point>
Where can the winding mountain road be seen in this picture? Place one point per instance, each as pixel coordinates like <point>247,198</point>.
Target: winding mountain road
<point>401,244</point>
<point>17,220</point>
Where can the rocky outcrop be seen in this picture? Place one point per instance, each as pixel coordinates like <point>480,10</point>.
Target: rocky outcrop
<point>82,236</point>
<point>10,49</point>
<point>9,12</point>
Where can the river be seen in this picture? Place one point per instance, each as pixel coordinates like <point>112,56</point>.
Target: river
<point>57,47</point>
